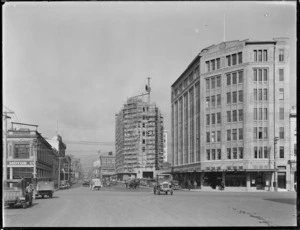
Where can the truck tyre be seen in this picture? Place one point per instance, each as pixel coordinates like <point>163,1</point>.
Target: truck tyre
<point>171,192</point>
<point>24,205</point>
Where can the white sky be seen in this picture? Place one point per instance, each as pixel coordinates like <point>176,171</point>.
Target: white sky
<point>76,63</point>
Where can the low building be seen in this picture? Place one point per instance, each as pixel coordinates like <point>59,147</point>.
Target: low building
<point>107,165</point>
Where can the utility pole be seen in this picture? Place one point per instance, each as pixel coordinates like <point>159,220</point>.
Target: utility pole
<point>5,145</point>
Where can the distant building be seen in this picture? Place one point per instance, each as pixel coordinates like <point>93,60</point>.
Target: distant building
<point>107,165</point>
<point>165,147</point>
<point>228,106</point>
<point>96,169</point>
<point>139,139</point>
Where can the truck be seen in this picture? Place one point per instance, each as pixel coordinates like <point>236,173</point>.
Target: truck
<point>163,184</point>
<point>15,193</point>
<point>45,188</point>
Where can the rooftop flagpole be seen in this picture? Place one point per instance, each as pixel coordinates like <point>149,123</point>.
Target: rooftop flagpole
<point>224,31</point>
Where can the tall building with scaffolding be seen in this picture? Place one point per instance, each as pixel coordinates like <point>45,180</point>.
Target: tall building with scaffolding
<point>139,139</point>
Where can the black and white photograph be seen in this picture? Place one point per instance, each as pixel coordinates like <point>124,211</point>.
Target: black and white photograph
<point>149,114</point>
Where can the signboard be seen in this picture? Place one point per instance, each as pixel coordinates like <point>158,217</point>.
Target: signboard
<point>19,163</point>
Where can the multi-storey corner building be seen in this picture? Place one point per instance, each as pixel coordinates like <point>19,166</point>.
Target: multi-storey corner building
<point>230,111</point>
<point>139,139</point>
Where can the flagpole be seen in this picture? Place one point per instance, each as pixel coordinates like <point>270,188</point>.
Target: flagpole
<point>224,31</point>
<point>149,89</point>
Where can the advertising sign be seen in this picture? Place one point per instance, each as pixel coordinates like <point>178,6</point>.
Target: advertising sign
<point>20,163</point>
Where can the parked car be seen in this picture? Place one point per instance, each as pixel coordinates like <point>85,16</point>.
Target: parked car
<point>63,184</point>
<point>86,183</point>
<point>176,185</point>
<point>15,193</point>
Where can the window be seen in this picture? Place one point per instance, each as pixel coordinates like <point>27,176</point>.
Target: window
<point>180,88</point>
<point>255,75</point>
<point>260,114</point>
<point>218,136</point>
<point>281,113</point>
<point>259,55</point>
<point>240,57</point>
<point>240,76</point>
<point>265,114</point>
<point>260,94</point>
<point>207,66</point>
<point>281,75</point>
<point>228,79</point>
<point>228,97</point>
<point>265,75</point>
<point>234,134</point>
<point>281,152</point>
<point>207,83</point>
<point>281,93</point>
<point>234,78</point>
<point>218,81</point>
<point>260,75</point>
<point>233,59</point>
<point>260,153</point>
<point>234,153</point>
<point>265,55</point>
<point>240,115</point>
<point>241,155</point>
<point>228,135</point>
<point>213,119</point>
<point>213,83</point>
<point>207,119</point>
<point>255,94</point>
<point>240,95</point>
<point>21,151</point>
<point>255,55</point>
<point>281,55</point>
<point>218,63</point>
<point>218,118</point>
<point>255,114</point>
<point>228,58</point>
<point>240,133</point>
<point>213,154</point>
<point>208,154</point>
<point>255,152</point>
<point>185,83</point>
<point>255,133</point>
<point>228,116</point>
<point>213,65</point>
<point>144,141</point>
<point>265,152</point>
<point>265,94</point>
<point>260,133</point>
<point>234,116</point>
<point>207,137</point>
<point>213,101</point>
<point>281,132</point>
<point>207,102</point>
<point>213,136</point>
<point>191,76</point>
<point>228,153</point>
<point>218,99</point>
<point>219,154</point>
<point>265,132</point>
<point>234,97</point>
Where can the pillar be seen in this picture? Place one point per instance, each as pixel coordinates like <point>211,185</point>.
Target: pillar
<point>11,173</point>
<point>272,180</point>
<point>248,182</point>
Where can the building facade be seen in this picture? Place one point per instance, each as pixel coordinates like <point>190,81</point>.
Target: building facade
<point>107,165</point>
<point>30,156</point>
<point>139,138</point>
<point>293,153</point>
<point>165,146</point>
<point>230,111</point>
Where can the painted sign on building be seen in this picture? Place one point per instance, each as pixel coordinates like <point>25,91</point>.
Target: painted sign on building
<point>19,163</point>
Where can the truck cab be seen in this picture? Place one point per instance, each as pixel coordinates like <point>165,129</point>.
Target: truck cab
<point>163,184</point>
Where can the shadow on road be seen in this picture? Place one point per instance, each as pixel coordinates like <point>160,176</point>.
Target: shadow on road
<point>291,201</point>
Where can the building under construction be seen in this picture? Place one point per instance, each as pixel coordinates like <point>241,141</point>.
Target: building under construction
<point>139,139</point>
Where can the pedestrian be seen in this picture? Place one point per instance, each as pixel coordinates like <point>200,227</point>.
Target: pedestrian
<point>195,184</point>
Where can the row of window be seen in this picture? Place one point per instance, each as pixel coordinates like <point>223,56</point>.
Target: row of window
<point>235,115</point>
<point>260,55</point>
<point>213,82</point>
<point>260,133</point>
<point>213,64</point>
<point>262,152</point>
<point>234,59</point>
<point>260,94</point>
<point>234,153</point>
<point>234,78</point>
<point>233,96</point>
<point>213,119</point>
<point>234,134</point>
<point>260,74</point>
<point>214,136</point>
<point>215,100</point>
<point>260,114</point>
<point>194,74</point>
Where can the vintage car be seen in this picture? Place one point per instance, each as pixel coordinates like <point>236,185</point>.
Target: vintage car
<point>63,184</point>
<point>134,183</point>
<point>86,182</point>
<point>45,188</point>
<point>175,185</point>
<point>15,193</point>
<point>96,184</point>
<point>163,184</point>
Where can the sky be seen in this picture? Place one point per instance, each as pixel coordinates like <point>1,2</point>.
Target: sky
<point>68,67</point>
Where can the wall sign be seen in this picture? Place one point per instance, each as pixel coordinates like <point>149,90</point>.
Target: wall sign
<point>20,163</point>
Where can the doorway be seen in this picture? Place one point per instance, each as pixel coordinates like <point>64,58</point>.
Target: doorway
<point>281,180</point>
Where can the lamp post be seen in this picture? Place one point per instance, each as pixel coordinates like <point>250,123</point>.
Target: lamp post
<point>275,164</point>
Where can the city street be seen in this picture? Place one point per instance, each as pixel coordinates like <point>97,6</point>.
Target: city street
<point>119,206</point>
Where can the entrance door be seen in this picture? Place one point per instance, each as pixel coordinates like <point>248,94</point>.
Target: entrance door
<point>281,180</point>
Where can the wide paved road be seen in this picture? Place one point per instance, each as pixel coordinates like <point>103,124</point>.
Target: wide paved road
<point>118,206</point>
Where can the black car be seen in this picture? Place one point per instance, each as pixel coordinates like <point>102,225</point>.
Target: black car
<point>85,183</point>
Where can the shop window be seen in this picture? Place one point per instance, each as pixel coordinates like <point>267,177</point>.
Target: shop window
<point>228,153</point>
<point>228,116</point>
<point>235,179</point>
<point>219,154</point>
<point>228,135</point>
<point>281,152</point>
